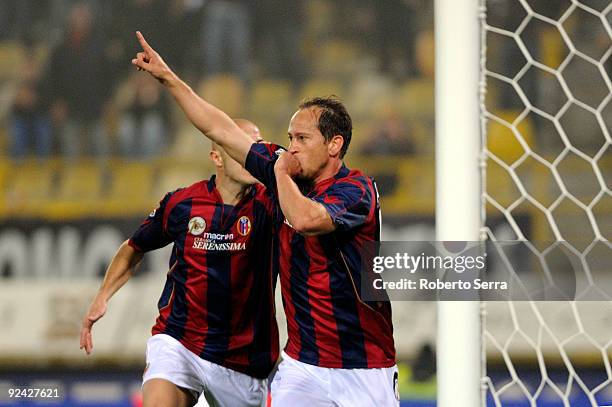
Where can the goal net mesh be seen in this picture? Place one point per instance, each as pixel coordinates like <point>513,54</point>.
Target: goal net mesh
<point>546,109</point>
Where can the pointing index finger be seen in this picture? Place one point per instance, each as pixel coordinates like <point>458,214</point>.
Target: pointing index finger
<point>145,45</point>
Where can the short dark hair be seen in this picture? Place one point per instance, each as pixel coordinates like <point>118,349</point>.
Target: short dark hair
<point>334,119</point>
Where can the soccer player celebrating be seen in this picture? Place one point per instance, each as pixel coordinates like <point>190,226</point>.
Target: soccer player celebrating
<point>340,349</point>
<point>216,332</point>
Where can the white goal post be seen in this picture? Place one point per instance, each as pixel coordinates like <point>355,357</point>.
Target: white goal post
<point>524,153</point>
<point>457,159</point>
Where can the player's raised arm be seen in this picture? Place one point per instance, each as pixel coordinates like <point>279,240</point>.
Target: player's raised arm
<point>118,273</point>
<point>211,121</point>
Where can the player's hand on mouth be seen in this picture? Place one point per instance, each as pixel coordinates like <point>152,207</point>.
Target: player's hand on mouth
<point>288,164</point>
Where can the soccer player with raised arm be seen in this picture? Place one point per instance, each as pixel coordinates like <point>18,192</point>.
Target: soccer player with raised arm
<point>340,350</point>
<point>216,332</point>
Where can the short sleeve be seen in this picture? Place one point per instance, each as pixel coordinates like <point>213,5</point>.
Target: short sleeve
<point>152,233</point>
<point>348,202</point>
<point>260,162</point>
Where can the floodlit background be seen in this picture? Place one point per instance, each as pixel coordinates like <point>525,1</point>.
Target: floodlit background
<point>89,146</point>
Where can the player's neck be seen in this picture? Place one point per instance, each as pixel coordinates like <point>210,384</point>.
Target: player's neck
<point>329,170</point>
<point>231,191</point>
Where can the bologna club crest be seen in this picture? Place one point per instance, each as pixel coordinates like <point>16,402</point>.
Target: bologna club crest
<point>244,225</point>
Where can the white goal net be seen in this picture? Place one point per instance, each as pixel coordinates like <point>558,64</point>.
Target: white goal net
<point>547,169</point>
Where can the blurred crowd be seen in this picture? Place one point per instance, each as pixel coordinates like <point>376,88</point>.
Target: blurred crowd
<point>71,92</point>
<point>68,90</point>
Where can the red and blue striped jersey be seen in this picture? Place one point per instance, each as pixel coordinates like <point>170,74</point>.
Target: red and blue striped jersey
<point>328,323</point>
<point>218,300</point>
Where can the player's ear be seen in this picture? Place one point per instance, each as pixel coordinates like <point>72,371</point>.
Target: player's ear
<point>335,145</point>
<point>216,158</point>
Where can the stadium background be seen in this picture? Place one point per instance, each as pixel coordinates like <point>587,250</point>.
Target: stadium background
<point>89,146</point>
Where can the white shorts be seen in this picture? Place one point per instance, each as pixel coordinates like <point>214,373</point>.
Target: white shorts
<point>168,359</point>
<point>298,384</point>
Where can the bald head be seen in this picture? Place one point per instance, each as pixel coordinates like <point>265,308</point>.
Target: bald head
<point>248,127</point>
<point>228,169</point>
